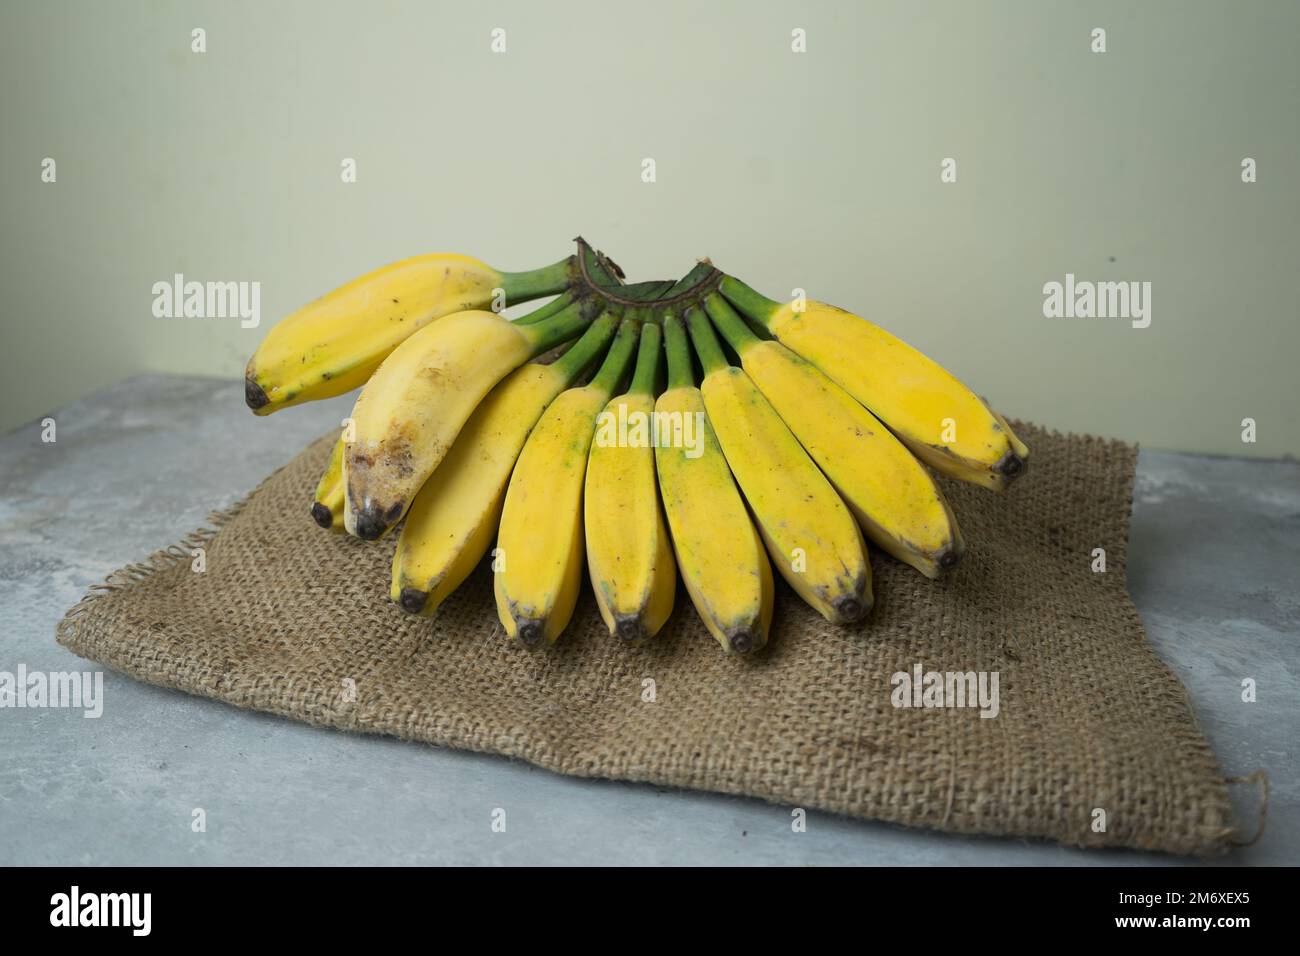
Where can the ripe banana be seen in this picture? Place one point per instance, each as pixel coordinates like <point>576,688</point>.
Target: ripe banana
<point>809,532</point>
<point>540,545</point>
<point>629,555</point>
<point>453,519</point>
<point>472,423</point>
<point>327,505</point>
<point>719,552</point>
<point>894,498</point>
<point>334,344</point>
<point>415,404</point>
<point>942,421</point>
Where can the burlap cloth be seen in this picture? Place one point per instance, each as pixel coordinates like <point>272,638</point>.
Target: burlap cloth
<point>286,615</point>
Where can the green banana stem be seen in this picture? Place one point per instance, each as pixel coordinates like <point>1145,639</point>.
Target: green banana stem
<point>758,307</point>
<point>559,328</point>
<point>647,361</point>
<point>638,313</point>
<point>706,342</point>
<point>681,371</point>
<point>584,351</point>
<point>643,291</point>
<point>548,280</point>
<point>590,263</point>
<point>729,323</point>
<point>703,275</point>
<point>644,301</point>
<point>572,276</point>
<point>616,361</point>
<point>555,306</point>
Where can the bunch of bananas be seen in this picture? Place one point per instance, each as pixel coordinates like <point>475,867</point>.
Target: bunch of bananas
<point>641,431</point>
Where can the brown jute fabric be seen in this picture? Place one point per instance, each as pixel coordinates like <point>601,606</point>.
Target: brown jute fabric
<point>286,615</point>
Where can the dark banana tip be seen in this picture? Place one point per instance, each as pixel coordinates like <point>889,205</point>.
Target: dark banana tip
<point>254,395</point>
<point>412,600</point>
<point>530,633</point>
<point>742,642</point>
<point>369,526</point>
<point>849,610</point>
<point>629,628</point>
<point>322,514</point>
<point>1010,466</point>
<point>949,560</point>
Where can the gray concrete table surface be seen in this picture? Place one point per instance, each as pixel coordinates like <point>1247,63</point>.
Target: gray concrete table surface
<point>1213,567</point>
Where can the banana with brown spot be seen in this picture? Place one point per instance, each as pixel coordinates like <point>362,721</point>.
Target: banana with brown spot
<point>416,403</point>
<point>719,552</point>
<point>454,518</point>
<point>629,554</point>
<point>540,542</point>
<point>809,532</point>
<point>334,344</point>
<point>938,418</point>
<point>895,499</point>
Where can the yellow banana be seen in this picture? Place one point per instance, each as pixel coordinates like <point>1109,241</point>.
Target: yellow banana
<point>896,501</point>
<point>942,421</point>
<point>540,544</point>
<point>719,552</point>
<point>629,555</point>
<point>415,404</point>
<point>334,344</point>
<point>453,519</point>
<point>809,532</point>
<point>327,505</point>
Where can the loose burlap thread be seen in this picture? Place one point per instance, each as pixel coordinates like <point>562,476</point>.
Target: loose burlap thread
<point>288,619</point>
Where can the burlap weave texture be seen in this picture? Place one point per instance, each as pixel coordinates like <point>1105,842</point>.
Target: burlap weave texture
<point>1089,718</point>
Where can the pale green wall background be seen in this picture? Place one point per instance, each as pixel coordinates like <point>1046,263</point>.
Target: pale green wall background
<point>818,170</point>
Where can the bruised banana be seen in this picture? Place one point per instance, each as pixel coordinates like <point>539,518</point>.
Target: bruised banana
<point>454,517</point>
<point>942,421</point>
<point>335,343</point>
<point>450,525</point>
<point>896,501</point>
<point>809,531</point>
<point>327,504</point>
<point>415,404</point>
<point>719,552</point>
<point>540,543</point>
<point>629,556</point>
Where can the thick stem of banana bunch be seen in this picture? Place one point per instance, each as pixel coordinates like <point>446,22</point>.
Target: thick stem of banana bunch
<point>540,545</point>
<point>644,302</point>
<point>895,499</point>
<point>629,555</point>
<point>810,533</point>
<point>416,403</point>
<point>941,420</point>
<point>719,551</point>
<point>335,343</point>
<point>454,518</point>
